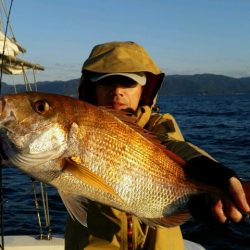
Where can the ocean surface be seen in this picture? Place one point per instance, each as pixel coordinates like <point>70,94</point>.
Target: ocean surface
<point>218,124</point>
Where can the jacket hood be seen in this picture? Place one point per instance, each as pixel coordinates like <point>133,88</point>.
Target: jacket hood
<point>120,57</point>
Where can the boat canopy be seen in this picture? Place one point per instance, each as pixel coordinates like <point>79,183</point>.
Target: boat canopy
<point>8,57</point>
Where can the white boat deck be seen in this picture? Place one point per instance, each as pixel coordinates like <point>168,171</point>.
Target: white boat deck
<point>25,242</point>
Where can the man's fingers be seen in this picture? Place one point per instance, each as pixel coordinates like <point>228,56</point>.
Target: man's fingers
<point>226,210</point>
<point>232,213</point>
<point>218,212</point>
<point>237,193</point>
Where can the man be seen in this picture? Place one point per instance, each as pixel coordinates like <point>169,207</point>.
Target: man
<point>123,76</point>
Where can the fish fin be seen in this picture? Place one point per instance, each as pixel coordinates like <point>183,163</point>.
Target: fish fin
<point>76,168</point>
<point>246,187</point>
<point>170,221</point>
<point>130,121</point>
<point>75,206</point>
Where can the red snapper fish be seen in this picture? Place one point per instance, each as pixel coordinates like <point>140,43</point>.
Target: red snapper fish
<point>94,153</point>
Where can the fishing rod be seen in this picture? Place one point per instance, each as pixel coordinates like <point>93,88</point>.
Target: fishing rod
<point>1,167</point>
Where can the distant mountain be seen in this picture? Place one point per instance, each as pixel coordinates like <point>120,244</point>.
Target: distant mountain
<point>59,87</point>
<point>202,84</point>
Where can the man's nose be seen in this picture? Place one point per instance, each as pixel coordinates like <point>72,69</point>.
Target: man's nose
<point>118,89</point>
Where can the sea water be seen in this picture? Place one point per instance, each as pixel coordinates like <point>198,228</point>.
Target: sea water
<point>221,126</point>
<point>218,124</point>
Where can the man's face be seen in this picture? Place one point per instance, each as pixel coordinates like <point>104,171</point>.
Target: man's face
<point>119,92</point>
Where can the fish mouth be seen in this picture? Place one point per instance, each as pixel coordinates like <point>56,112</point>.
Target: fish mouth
<point>5,117</point>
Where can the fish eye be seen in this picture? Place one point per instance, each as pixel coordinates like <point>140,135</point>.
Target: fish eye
<point>41,107</point>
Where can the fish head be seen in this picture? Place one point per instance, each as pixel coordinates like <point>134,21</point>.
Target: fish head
<point>33,128</point>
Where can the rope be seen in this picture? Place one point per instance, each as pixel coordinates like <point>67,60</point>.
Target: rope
<point>26,81</point>
<point>1,18</point>
<point>46,210</point>
<point>34,75</point>
<point>44,194</point>
<point>37,210</point>
<point>14,84</point>
<point>7,16</point>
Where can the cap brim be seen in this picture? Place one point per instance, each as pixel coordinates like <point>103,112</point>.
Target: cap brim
<point>137,77</point>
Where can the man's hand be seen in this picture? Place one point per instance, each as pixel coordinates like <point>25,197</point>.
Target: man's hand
<point>206,208</point>
<point>232,210</point>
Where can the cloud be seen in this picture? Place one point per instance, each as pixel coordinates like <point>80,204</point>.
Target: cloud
<point>60,71</point>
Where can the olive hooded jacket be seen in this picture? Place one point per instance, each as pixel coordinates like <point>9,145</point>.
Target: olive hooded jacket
<point>108,227</point>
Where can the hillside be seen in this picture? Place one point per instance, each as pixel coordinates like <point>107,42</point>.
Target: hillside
<point>58,87</point>
<point>205,84</point>
<point>202,84</point>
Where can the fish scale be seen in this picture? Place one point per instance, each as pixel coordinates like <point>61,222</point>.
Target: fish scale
<point>112,158</point>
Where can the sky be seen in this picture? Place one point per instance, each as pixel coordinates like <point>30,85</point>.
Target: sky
<point>182,36</point>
